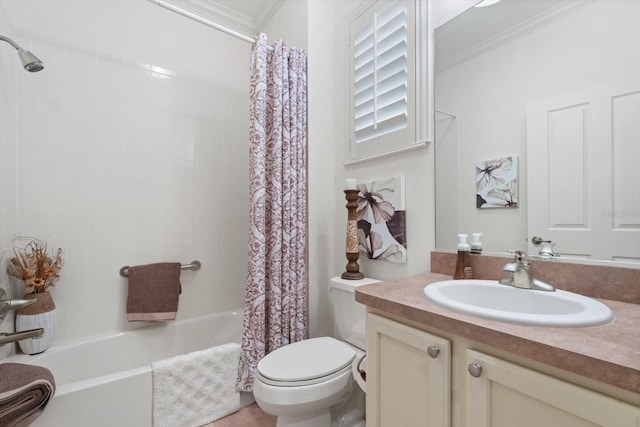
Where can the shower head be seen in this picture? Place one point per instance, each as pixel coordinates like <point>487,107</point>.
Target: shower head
<point>30,62</point>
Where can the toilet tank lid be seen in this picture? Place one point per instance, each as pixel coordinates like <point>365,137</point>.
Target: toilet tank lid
<point>305,360</point>
<point>350,285</point>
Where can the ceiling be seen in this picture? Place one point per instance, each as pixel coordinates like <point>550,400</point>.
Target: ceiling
<point>244,16</point>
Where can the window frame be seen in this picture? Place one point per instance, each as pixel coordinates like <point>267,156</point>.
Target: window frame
<point>418,132</point>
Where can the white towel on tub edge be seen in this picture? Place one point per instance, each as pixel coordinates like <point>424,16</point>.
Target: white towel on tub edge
<point>196,388</point>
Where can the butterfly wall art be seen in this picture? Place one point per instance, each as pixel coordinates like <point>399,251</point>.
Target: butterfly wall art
<point>497,183</point>
<point>381,217</point>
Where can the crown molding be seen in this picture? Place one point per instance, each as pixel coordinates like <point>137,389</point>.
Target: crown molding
<point>219,14</point>
<point>529,25</point>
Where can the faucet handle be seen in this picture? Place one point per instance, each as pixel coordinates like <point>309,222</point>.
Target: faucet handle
<point>522,258</point>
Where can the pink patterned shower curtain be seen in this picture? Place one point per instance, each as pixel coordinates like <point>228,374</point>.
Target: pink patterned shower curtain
<point>276,299</point>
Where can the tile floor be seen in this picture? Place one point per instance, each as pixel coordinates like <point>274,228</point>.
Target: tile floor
<point>249,416</point>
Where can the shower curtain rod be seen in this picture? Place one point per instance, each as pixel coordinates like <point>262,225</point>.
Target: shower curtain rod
<point>204,21</point>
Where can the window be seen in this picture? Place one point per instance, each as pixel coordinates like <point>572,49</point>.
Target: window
<point>380,74</point>
<point>384,52</point>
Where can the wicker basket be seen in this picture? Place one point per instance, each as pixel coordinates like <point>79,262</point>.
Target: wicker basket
<point>42,305</point>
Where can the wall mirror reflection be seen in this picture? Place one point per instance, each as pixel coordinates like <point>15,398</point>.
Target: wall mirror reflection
<point>555,86</point>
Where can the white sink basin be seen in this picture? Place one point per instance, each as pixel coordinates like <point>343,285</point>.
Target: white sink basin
<point>491,300</point>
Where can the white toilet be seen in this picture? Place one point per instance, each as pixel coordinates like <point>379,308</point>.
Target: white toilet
<point>310,383</point>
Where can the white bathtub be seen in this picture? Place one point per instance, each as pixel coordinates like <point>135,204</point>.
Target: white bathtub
<point>106,381</point>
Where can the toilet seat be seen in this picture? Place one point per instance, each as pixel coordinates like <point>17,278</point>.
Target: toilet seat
<point>306,362</point>
<point>310,381</point>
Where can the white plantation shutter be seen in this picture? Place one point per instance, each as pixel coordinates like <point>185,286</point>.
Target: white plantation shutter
<point>380,51</point>
<point>389,93</point>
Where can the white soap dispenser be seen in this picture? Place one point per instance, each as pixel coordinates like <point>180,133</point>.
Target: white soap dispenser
<point>476,244</point>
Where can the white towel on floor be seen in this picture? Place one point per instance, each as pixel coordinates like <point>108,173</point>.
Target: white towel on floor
<point>196,388</point>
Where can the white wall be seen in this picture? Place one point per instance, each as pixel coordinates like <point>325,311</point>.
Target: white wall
<point>122,163</point>
<point>322,78</point>
<point>289,23</point>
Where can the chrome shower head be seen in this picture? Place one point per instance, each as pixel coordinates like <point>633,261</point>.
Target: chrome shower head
<point>30,62</point>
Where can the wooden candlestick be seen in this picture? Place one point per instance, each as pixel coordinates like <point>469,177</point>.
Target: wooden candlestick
<point>353,269</point>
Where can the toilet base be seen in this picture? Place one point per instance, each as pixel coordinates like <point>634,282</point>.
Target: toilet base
<point>319,419</point>
<point>351,412</point>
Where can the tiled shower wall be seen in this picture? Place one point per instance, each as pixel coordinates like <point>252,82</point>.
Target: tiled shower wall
<point>7,153</point>
<point>131,147</point>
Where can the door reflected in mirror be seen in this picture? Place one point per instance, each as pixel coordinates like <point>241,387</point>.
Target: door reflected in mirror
<point>555,84</point>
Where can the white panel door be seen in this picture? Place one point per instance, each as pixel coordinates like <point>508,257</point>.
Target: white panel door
<point>583,163</point>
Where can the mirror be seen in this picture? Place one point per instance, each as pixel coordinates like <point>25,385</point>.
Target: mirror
<point>538,101</point>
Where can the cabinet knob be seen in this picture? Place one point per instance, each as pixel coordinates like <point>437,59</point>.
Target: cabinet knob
<point>474,369</point>
<point>433,351</point>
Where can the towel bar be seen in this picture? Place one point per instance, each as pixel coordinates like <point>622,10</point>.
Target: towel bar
<point>193,265</point>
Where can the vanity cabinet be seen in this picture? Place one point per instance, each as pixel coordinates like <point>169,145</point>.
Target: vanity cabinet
<point>503,394</point>
<point>407,386</point>
<point>408,376</point>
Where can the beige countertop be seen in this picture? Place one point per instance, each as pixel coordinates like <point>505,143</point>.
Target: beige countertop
<point>608,353</point>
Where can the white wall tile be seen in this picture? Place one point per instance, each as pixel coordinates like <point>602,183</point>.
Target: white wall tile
<point>82,163</point>
<point>110,130</point>
<point>127,150</point>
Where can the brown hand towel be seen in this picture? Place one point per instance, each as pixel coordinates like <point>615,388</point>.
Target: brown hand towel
<point>24,392</point>
<point>154,290</point>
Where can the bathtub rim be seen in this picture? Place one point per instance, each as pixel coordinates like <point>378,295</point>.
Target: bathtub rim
<point>32,359</point>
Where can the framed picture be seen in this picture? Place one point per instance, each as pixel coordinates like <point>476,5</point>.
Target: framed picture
<point>382,233</point>
<point>497,183</point>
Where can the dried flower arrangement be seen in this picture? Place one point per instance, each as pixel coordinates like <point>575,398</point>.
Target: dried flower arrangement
<point>33,264</point>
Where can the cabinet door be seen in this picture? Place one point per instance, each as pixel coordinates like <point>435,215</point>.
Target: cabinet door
<point>408,376</point>
<point>501,394</point>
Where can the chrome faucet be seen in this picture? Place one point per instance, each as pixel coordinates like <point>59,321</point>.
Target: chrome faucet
<point>522,276</point>
<point>6,338</point>
<point>11,304</point>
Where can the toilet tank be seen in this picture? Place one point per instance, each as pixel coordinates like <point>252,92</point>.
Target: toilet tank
<point>348,314</point>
